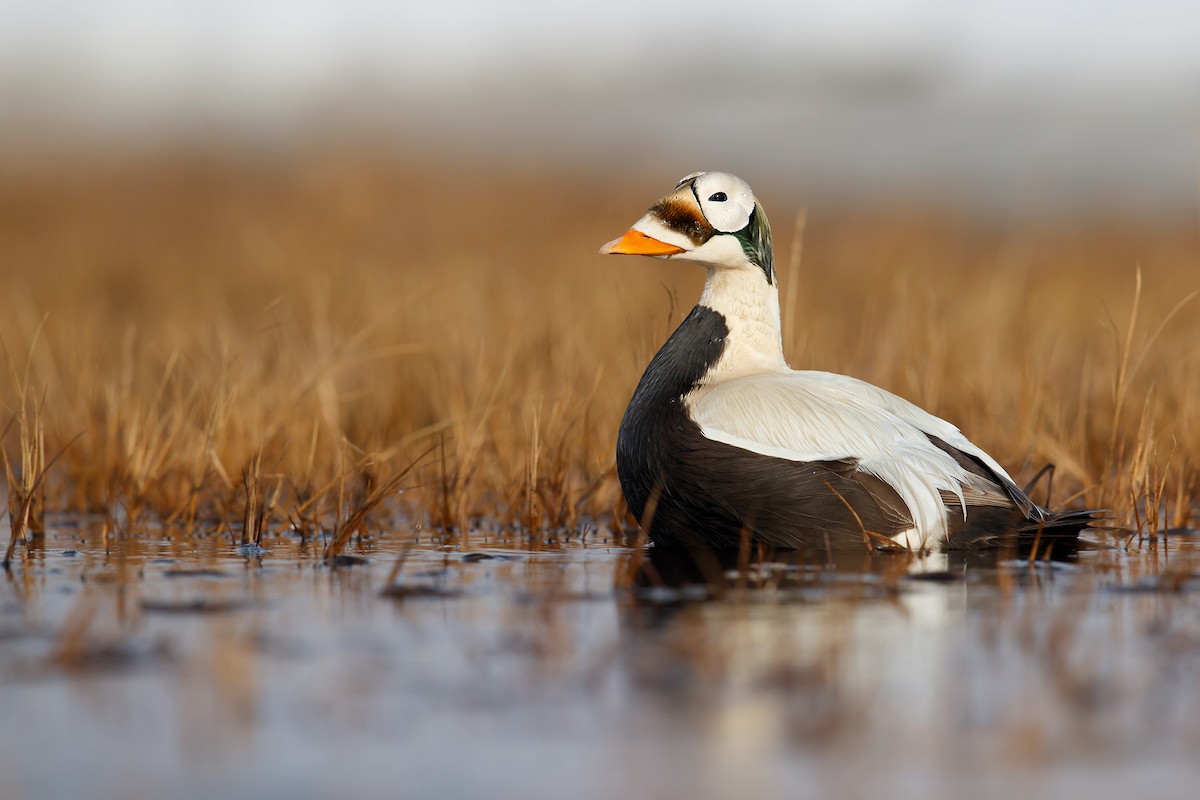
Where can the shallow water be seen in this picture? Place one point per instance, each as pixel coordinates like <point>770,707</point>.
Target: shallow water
<point>170,667</point>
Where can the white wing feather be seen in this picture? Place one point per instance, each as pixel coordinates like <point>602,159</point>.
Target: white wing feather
<point>820,416</point>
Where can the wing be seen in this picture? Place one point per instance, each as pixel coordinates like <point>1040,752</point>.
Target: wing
<point>912,414</point>
<point>819,416</point>
<point>947,437</point>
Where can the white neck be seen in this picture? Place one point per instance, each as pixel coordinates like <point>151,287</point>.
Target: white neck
<point>750,306</point>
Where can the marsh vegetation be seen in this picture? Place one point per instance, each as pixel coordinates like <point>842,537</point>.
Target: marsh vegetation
<point>190,339</point>
<point>326,445</point>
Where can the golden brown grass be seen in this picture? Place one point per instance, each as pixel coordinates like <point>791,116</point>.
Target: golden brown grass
<point>245,346</point>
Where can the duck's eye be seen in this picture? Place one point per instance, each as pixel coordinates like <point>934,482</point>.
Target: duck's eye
<point>719,197</point>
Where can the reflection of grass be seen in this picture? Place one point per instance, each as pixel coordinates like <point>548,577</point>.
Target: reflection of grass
<point>226,336</point>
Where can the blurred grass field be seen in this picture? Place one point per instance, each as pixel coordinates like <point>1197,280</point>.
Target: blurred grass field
<point>195,334</point>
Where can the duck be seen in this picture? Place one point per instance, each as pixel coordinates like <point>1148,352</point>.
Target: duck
<point>723,442</point>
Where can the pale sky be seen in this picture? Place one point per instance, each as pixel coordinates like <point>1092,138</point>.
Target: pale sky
<point>858,92</point>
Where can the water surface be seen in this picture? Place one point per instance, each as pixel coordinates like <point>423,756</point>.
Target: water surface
<point>182,667</point>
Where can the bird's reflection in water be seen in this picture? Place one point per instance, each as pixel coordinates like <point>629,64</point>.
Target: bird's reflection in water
<point>797,630</point>
<point>666,578</point>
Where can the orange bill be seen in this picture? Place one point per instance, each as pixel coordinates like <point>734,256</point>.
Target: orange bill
<point>636,243</point>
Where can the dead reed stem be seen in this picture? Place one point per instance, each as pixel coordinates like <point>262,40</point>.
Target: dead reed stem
<point>372,497</point>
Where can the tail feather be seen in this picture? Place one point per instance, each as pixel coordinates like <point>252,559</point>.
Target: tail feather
<point>1043,524</point>
<point>1061,524</point>
<point>1056,534</point>
<point>988,527</point>
<point>1001,508</point>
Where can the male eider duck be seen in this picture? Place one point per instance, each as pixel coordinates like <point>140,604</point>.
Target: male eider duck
<point>723,440</point>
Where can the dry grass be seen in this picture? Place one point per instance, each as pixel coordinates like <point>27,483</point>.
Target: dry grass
<point>234,346</point>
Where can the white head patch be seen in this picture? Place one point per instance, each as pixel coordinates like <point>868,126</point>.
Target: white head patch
<point>725,200</point>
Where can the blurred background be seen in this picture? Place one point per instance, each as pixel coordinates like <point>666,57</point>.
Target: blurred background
<point>1011,105</point>
<point>371,225</point>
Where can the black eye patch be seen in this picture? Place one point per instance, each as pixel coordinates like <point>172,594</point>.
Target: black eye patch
<point>719,197</point>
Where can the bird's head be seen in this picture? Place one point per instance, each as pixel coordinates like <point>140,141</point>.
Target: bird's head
<point>711,218</point>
